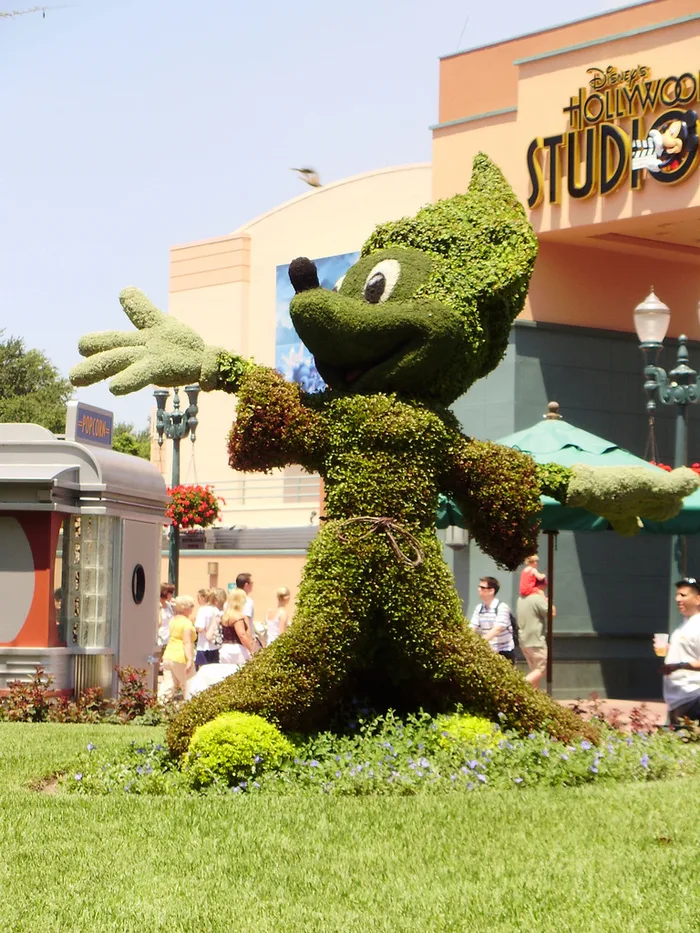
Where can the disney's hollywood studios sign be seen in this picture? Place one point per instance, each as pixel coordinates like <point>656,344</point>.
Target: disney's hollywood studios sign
<point>600,155</point>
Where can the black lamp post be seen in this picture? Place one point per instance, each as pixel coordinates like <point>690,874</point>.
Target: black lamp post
<point>679,387</point>
<point>176,425</point>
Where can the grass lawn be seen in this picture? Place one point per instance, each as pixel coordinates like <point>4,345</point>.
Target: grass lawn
<point>588,860</point>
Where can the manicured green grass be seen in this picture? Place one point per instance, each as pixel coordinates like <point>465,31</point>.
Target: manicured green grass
<point>619,859</point>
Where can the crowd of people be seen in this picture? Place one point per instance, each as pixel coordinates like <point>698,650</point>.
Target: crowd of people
<point>203,640</point>
<point>494,621</point>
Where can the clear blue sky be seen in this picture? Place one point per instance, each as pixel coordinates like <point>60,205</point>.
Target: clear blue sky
<point>132,125</point>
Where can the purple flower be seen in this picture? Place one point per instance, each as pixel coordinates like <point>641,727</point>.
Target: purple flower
<point>91,747</point>
<point>472,764</point>
<point>594,769</point>
<point>545,753</point>
<point>313,764</point>
<point>585,745</point>
<point>644,761</point>
<point>518,780</point>
<point>564,757</point>
<point>78,776</point>
<point>338,773</point>
<point>532,735</point>
<point>482,778</point>
<point>470,786</point>
<point>257,759</point>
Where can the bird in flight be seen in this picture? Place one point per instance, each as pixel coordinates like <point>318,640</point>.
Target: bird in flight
<point>309,175</point>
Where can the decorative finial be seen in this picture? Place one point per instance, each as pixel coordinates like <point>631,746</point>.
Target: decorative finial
<point>552,411</point>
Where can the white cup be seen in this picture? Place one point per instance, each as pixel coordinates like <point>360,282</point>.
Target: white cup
<point>661,644</point>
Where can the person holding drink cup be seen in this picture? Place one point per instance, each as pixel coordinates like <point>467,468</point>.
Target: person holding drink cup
<point>682,653</point>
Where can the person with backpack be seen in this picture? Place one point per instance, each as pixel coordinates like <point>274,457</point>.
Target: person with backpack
<point>492,619</point>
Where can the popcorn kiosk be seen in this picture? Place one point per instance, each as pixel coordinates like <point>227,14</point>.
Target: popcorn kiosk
<point>80,539</point>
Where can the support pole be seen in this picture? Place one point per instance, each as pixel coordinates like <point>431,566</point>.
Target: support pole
<point>550,607</point>
<point>678,542</point>
<point>174,541</point>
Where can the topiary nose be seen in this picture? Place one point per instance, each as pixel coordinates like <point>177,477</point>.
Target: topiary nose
<point>303,274</point>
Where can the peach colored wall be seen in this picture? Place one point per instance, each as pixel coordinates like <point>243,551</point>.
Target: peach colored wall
<point>486,79</point>
<point>455,147</point>
<point>225,288</point>
<point>269,573</point>
<point>591,287</point>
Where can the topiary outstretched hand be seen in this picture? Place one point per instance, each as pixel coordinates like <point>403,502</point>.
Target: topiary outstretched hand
<point>162,352</point>
<point>625,495</point>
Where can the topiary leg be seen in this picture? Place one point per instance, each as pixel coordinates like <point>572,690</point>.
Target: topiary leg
<point>454,665</point>
<point>296,681</point>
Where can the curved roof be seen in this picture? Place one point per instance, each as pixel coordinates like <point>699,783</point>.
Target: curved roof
<point>319,192</point>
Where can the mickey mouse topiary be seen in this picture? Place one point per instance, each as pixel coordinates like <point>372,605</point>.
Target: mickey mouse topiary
<point>424,313</point>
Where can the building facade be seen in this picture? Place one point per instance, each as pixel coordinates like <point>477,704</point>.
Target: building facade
<point>593,124</point>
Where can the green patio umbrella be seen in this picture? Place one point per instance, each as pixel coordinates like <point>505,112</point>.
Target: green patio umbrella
<point>553,440</point>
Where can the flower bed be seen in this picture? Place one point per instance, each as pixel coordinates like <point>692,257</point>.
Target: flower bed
<point>419,755</point>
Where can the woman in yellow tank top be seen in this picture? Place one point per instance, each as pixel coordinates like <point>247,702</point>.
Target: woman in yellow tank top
<point>178,657</point>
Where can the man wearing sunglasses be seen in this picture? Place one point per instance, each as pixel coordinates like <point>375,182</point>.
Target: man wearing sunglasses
<point>492,619</point>
<point>682,668</point>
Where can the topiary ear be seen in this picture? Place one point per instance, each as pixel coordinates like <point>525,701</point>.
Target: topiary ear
<point>488,179</point>
<point>503,244</point>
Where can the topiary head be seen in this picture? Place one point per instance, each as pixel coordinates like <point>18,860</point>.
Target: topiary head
<point>427,309</point>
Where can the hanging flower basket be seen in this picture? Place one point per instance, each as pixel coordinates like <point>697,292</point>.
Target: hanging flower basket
<point>193,506</point>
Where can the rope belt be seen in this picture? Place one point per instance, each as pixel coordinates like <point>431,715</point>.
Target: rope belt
<point>391,528</point>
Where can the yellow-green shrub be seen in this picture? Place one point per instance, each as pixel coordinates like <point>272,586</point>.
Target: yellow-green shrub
<point>234,747</point>
<point>466,729</point>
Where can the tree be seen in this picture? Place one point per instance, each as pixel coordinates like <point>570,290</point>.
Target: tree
<point>128,441</point>
<point>31,387</point>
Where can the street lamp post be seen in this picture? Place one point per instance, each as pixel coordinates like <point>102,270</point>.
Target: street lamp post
<point>679,387</point>
<point>175,425</point>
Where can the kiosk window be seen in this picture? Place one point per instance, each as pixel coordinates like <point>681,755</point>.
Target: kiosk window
<point>88,580</point>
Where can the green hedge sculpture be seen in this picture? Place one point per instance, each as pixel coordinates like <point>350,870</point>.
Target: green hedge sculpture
<point>424,313</point>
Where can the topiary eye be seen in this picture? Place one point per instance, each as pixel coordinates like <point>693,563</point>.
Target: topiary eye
<point>381,281</point>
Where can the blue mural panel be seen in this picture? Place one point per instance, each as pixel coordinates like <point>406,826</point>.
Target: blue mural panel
<point>292,359</point>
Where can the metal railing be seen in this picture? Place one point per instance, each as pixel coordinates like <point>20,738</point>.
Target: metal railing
<point>253,490</point>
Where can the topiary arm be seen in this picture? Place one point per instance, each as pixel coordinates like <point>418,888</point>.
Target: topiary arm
<point>625,495</point>
<point>274,427</point>
<point>162,351</point>
<point>275,423</point>
<point>498,490</point>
